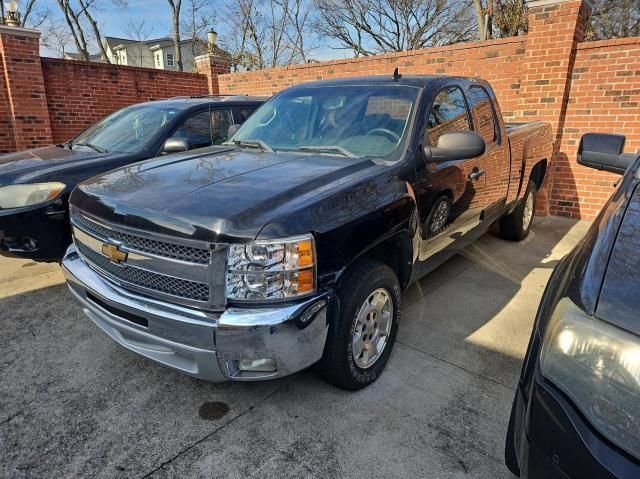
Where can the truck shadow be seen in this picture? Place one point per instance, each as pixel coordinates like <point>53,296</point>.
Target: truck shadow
<point>477,310</point>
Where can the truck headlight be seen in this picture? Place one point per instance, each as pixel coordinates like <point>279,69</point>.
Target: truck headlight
<point>598,366</point>
<point>17,196</point>
<point>266,270</point>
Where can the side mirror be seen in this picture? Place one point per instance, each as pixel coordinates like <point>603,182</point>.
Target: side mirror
<point>603,151</point>
<point>457,145</point>
<point>175,145</point>
<point>232,130</point>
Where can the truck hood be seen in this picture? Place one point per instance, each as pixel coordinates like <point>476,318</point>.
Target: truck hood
<point>222,197</point>
<point>40,164</point>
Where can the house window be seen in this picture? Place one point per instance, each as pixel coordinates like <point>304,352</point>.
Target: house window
<point>169,59</point>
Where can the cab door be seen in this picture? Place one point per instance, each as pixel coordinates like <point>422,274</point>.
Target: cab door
<point>496,161</point>
<point>450,193</point>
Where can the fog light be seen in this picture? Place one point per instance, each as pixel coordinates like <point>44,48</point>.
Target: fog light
<point>258,365</point>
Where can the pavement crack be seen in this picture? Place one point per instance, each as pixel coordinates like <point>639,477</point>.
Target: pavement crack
<point>218,429</point>
<point>475,373</point>
<point>11,418</point>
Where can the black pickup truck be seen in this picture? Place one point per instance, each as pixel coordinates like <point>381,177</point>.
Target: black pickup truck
<point>290,244</point>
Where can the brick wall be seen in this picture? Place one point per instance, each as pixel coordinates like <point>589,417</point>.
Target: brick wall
<point>7,142</point>
<point>23,99</point>
<point>549,74</point>
<point>604,97</point>
<point>80,93</point>
<point>498,61</point>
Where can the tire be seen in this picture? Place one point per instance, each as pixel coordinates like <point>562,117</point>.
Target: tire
<point>438,218</point>
<point>510,457</point>
<point>517,225</point>
<point>375,283</point>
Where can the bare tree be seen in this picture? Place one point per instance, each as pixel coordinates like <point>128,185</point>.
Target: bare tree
<point>299,34</point>
<point>85,5</point>
<point>484,12</point>
<point>72,18</point>
<point>268,33</point>
<point>198,18</point>
<point>82,25</point>
<point>140,32</point>
<point>613,19</point>
<point>55,36</point>
<point>374,26</point>
<point>175,12</point>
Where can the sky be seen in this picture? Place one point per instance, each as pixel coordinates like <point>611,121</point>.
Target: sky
<point>114,21</point>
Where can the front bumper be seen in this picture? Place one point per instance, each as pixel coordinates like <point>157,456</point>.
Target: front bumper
<point>557,443</point>
<point>41,233</point>
<point>206,345</point>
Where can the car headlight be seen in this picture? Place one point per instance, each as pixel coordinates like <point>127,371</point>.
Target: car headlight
<point>598,366</point>
<point>17,196</point>
<point>270,270</point>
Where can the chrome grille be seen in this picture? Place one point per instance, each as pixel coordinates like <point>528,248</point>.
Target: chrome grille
<point>139,243</point>
<point>158,282</point>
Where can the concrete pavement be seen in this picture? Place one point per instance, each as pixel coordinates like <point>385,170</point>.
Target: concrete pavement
<point>75,404</point>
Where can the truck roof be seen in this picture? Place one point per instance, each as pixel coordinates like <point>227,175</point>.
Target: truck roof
<point>409,80</point>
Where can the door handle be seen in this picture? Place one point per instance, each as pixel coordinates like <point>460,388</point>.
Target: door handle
<point>476,174</point>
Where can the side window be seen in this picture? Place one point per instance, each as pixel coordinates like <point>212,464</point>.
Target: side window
<point>221,120</point>
<point>448,113</point>
<point>483,113</point>
<point>244,112</point>
<point>196,129</point>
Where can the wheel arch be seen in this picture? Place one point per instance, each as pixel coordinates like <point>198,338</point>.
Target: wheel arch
<point>395,251</point>
<point>538,173</point>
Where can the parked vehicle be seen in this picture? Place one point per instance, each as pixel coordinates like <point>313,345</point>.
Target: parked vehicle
<point>576,412</point>
<point>35,184</point>
<point>290,245</point>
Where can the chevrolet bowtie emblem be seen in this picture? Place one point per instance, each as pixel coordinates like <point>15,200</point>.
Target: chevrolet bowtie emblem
<point>113,252</point>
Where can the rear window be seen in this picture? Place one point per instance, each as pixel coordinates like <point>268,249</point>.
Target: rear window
<point>482,110</point>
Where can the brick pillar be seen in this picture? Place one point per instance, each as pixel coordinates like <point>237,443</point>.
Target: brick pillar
<point>211,66</point>
<point>22,90</point>
<point>555,28</point>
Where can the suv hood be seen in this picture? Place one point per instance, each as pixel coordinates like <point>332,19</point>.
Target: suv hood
<point>227,196</point>
<point>619,300</point>
<point>40,164</point>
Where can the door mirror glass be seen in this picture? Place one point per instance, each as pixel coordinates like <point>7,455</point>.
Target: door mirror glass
<point>175,145</point>
<point>603,151</point>
<point>457,145</point>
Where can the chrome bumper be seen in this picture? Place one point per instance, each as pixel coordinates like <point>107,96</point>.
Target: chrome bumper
<point>206,345</point>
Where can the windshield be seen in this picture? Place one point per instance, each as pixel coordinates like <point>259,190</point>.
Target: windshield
<point>127,130</point>
<point>344,120</point>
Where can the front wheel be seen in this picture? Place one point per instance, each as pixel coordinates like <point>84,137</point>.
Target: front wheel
<point>517,225</point>
<point>361,338</point>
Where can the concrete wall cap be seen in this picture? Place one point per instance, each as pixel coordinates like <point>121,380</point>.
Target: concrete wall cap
<point>19,32</point>
<point>544,3</point>
<point>211,56</point>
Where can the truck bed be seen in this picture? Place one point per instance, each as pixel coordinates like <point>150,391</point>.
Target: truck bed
<point>515,126</point>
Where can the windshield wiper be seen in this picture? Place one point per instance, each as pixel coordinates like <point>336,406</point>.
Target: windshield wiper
<point>335,148</point>
<point>255,144</point>
<point>89,145</point>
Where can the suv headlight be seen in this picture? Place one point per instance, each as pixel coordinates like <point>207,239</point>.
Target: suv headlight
<point>598,366</point>
<point>269,270</point>
<point>17,196</point>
